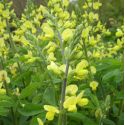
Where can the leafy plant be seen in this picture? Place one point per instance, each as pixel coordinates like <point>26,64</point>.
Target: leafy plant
<point>60,66</point>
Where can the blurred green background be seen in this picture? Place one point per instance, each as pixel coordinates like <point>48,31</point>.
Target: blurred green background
<point>111,12</point>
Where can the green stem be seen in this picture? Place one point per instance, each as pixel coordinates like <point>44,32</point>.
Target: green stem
<point>87,58</point>
<point>62,115</point>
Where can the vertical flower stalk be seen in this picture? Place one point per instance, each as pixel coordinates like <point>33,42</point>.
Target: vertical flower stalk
<point>62,115</point>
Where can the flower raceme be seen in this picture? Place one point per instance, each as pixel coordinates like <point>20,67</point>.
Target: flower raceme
<point>51,111</point>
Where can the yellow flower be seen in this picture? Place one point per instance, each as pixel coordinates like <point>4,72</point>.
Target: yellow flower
<point>96,54</point>
<point>27,24</point>
<point>93,41</point>
<point>85,32</point>
<point>71,89</point>
<point>70,104</point>
<point>94,85</point>
<point>63,68</point>
<point>43,9</point>
<point>81,74</point>
<point>119,33</point>
<point>49,33</point>
<point>96,5</point>
<point>53,67</point>
<point>1,6</point>
<point>13,68</point>
<point>2,91</point>
<point>51,57</point>
<point>4,77</point>
<point>51,46</point>
<point>5,13</point>
<point>67,24</point>
<point>28,55</point>
<point>65,3</point>
<point>93,16</point>
<point>51,111</point>
<point>98,113</point>
<point>82,101</point>
<point>81,65</point>
<point>40,122</point>
<point>2,44</point>
<point>93,69</point>
<point>67,34</point>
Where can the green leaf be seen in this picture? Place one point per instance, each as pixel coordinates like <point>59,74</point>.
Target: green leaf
<point>28,90</point>
<point>3,111</point>
<point>49,96</point>
<point>83,118</point>
<point>114,73</point>
<point>108,122</point>
<point>6,101</point>
<point>30,109</point>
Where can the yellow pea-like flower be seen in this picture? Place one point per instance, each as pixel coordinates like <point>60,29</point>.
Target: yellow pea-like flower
<point>65,3</point>
<point>93,16</point>
<point>85,33</point>
<point>28,24</point>
<point>2,44</point>
<point>1,6</point>
<point>71,89</point>
<point>2,91</point>
<point>51,111</point>
<point>53,67</point>
<point>70,104</point>
<point>82,102</point>
<point>43,9</point>
<point>93,41</point>
<point>4,77</point>
<point>67,34</point>
<point>81,65</point>
<point>94,85</point>
<point>81,74</point>
<point>93,69</point>
<point>67,24</point>
<point>5,13</point>
<point>13,68</point>
<point>40,122</point>
<point>96,5</point>
<point>49,33</point>
<point>119,33</point>
<point>96,54</point>
<point>98,113</point>
<point>63,68</point>
<point>51,57</point>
